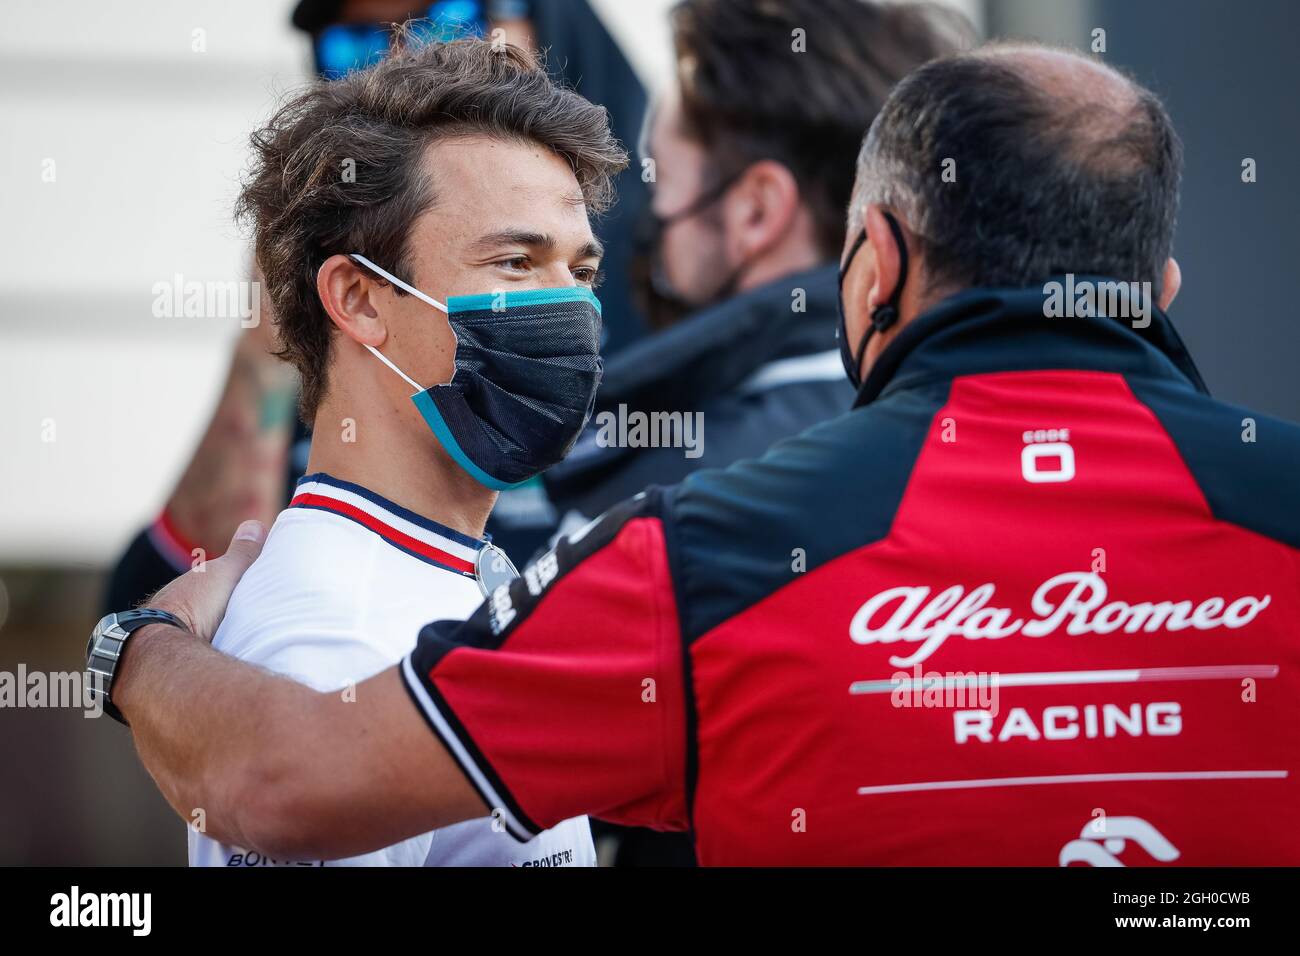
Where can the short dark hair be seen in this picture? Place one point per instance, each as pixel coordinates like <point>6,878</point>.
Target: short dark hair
<point>378,121</point>
<point>1046,182</point>
<point>748,95</point>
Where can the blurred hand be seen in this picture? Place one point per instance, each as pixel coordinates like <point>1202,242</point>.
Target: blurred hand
<point>238,470</point>
<point>199,597</point>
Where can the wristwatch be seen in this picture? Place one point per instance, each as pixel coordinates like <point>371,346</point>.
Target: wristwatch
<point>107,644</point>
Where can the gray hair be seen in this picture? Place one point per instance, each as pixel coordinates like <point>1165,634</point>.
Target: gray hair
<point>1051,177</point>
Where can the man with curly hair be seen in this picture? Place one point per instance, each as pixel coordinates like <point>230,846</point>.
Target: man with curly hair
<point>423,230</point>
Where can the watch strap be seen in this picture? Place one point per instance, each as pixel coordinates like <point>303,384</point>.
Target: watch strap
<point>107,646</point>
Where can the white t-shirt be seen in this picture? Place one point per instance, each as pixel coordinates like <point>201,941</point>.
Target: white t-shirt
<point>344,583</point>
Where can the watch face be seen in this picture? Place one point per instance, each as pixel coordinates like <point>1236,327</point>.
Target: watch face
<point>107,624</point>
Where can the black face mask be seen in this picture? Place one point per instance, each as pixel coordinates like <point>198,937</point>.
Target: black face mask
<point>882,316</point>
<point>656,294</point>
<point>524,385</point>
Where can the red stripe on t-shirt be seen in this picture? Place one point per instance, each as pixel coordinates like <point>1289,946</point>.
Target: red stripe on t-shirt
<point>384,530</point>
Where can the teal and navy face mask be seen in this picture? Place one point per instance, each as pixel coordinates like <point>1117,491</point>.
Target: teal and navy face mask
<point>527,367</point>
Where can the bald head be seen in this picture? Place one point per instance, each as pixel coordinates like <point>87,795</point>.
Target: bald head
<point>1099,101</point>
<point>1064,73</point>
<point>1016,162</point>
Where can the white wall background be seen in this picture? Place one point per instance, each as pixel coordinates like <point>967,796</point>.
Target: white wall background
<point>147,136</point>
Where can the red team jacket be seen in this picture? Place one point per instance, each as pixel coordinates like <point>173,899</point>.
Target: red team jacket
<point>1034,600</point>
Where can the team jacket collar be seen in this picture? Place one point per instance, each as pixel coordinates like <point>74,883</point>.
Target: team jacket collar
<point>418,536</point>
<point>1004,330</point>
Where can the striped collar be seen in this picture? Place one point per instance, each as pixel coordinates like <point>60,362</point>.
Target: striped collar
<point>419,537</point>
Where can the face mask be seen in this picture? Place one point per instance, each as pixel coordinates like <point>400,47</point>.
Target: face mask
<point>657,295</point>
<point>527,367</point>
<point>882,316</point>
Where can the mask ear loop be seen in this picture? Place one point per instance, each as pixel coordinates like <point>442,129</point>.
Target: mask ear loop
<point>409,381</point>
<point>884,315</point>
<point>356,256</point>
<point>384,273</point>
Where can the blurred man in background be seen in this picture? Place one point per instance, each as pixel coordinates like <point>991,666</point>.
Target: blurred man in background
<point>751,158</point>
